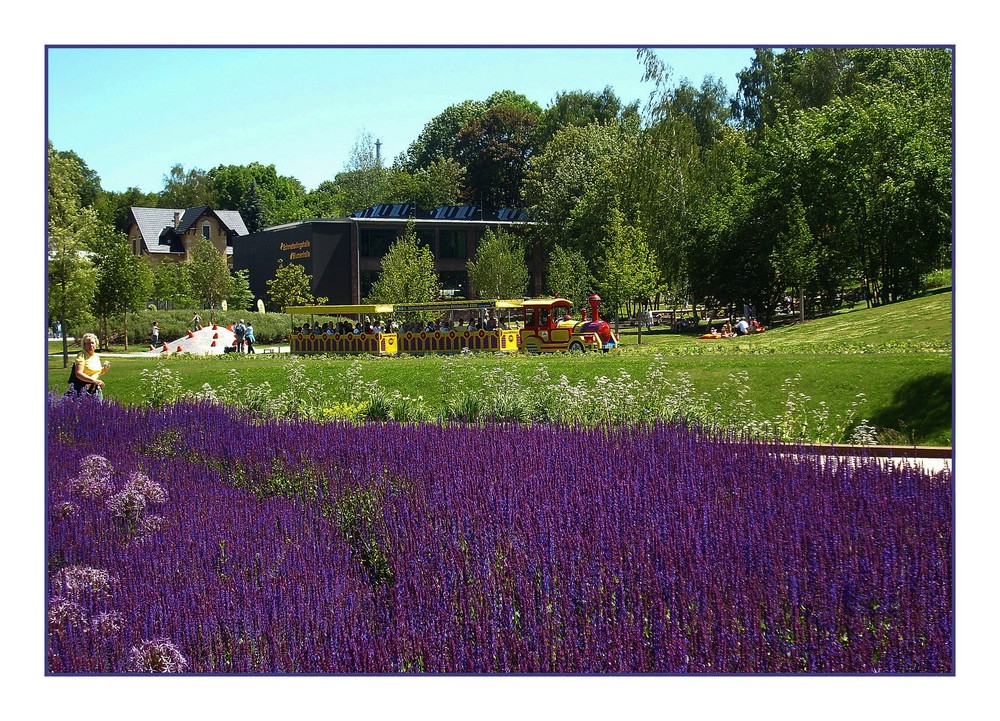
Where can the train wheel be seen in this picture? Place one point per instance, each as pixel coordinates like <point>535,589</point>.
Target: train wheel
<point>576,347</point>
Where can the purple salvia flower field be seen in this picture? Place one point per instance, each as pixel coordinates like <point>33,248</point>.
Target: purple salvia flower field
<point>303,547</point>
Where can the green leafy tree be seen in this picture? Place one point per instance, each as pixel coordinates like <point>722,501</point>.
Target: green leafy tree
<point>577,108</point>
<point>663,173</point>
<point>872,170</point>
<point>240,297</point>
<point>569,276</point>
<point>186,189</point>
<point>407,272</point>
<point>324,201</point>
<point>71,279</point>
<point>630,274</point>
<point>573,182</point>
<point>113,207</point>
<point>253,209</point>
<point>124,281</point>
<point>495,149</point>
<point>795,257</point>
<point>498,270</point>
<point>71,236</point>
<point>172,285</point>
<point>210,280</point>
<point>291,286</point>
<point>437,139</point>
<point>440,183</point>
<point>709,107</point>
<point>88,189</point>
<point>262,196</point>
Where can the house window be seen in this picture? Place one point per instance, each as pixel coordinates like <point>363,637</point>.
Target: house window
<point>206,230</point>
<point>368,279</point>
<point>452,244</point>
<point>375,242</point>
<point>425,238</point>
<point>454,284</point>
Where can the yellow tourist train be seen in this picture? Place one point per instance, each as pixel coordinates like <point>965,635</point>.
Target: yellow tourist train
<point>539,325</point>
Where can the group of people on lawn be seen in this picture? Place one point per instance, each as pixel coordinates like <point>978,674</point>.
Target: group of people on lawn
<point>741,327</point>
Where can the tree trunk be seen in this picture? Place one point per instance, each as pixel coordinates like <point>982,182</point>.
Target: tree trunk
<point>65,345</point>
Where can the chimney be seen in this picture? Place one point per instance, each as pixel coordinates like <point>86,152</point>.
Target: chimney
<point>595,305</point>
<point>177,218</point>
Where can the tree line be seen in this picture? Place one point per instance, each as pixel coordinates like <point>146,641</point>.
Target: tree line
<point>828,176</point>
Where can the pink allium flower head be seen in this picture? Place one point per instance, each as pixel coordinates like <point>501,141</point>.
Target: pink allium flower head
<point>149,488</point>
<point>94,478</point>
<point>156,656</point>
<point>128,504</point>
<point>66,509</point>
<point>64,613</point>
<point>79,582</point>
<point>107,623</point>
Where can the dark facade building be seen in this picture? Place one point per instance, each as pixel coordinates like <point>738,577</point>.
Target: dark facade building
<point>344,255</point>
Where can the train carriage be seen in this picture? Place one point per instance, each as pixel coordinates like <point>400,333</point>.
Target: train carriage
<point>539,325</point>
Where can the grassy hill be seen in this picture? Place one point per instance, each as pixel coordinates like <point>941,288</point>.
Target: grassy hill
<point>918,325</point>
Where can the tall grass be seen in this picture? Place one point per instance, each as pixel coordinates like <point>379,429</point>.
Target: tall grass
<point>480,393</point>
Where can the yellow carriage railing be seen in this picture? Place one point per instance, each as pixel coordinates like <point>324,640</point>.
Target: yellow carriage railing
<point>414,342</point>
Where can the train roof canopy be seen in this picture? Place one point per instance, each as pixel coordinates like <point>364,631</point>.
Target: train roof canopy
<point>384,308</point>
<point>546,302</point>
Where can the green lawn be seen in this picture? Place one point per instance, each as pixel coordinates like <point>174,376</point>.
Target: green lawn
<point>898,356</point>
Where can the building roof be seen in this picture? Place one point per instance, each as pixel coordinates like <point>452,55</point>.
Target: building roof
<point>156,225</point>
<point>404,211</point>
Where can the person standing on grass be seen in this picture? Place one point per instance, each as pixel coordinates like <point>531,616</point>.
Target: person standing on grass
<point>250,338</point>
<point>88,369</point>
<point>241,331</point>
<point>154,335</point>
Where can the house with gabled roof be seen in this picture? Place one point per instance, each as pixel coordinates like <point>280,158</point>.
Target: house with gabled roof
<point>170,233</point>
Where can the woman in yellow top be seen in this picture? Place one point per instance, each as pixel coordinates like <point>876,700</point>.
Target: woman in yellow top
<point>88,369</point>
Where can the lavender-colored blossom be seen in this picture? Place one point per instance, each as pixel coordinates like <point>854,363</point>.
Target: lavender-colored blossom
<point>500,548</point>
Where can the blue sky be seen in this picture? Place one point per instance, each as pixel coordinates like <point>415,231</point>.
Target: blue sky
<point>133,113</point>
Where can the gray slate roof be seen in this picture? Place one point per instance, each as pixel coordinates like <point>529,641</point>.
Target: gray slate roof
<point>156,225</point>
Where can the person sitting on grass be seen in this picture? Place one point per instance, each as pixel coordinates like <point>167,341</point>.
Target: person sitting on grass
<point>742,327</point>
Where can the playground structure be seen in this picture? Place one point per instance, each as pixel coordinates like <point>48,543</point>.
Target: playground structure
<point>540,325</point>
